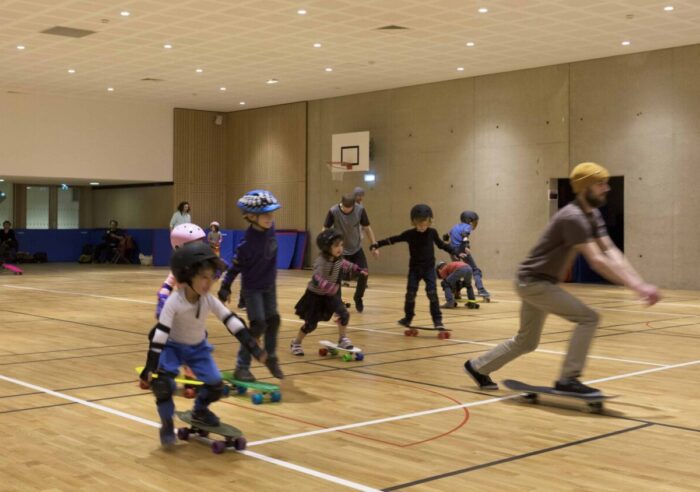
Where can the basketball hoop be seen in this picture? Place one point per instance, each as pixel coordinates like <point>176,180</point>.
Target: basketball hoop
<point>338,169</point>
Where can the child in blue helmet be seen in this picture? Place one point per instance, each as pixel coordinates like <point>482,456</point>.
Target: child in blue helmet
<point>421,240</point>
<point>256,260</point>
<point>180,337</point>
<point>322,300</point>
<point>460,239</point>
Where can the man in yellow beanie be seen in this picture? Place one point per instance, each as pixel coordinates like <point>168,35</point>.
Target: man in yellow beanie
<point>576,228</point>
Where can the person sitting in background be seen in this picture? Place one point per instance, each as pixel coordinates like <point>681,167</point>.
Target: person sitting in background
<point>8,243</point>
<point>111,240</point>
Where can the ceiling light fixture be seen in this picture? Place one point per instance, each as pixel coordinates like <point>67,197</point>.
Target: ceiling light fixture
<point>94,183</point>
<point>20,47</point>
<point>460,69</point>
<point>471,44</point>
<point>125,13</point>
<point>110,89</point>
<point>626,43</point>
<point>71,70</point>
<point>669,8</point>
<point>242,103</point>
<point>483,10</point>
<point>317,45</point>
<point>329,69</point>
<point>199,70</point>
<point>222,89</point>
<point>272,81</point>
<point>167,46</point>
<point>301,12</point>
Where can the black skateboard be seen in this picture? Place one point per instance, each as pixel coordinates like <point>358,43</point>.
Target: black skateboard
<point>233,437</point>
<point>412,331</point>
<point>531,394</point>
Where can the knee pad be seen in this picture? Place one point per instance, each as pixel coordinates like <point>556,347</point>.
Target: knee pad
<point>308,328</point>
<point>163,387</point>
<point>212,392</point>
<point>273,323</point>
<point>344,318</point>
<point>257,328</point>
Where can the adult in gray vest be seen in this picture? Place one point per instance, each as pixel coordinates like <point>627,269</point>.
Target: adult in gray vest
<point>351,219</point>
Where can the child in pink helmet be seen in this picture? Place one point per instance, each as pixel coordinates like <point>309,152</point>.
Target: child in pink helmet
<point>214,237</point>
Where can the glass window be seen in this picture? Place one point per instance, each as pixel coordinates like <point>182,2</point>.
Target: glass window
<point>68,208</point>
<point>37,207</point>
<point>6,202</point>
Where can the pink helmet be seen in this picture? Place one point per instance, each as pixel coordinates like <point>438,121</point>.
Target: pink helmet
<point>185,233</point>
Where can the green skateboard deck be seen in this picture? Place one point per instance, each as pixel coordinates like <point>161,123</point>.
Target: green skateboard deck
<point>259,389</point>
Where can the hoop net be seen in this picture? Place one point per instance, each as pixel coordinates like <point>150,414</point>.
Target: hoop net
<point>338,169</point>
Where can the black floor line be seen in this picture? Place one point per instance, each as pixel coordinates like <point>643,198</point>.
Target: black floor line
<point>27,409</point>
<point>75,322</point>
<point>514,458</point>
<point>658,424</point>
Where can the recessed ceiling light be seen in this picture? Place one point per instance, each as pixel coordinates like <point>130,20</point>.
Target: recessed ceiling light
<point>94,183</point>
<point>125,13</point>
<point>460,69</point>
<point>329,69</point>
<point>272,81</point>
<point>71,70</point>
<point>626,43</point>
<point>167,46</point>
<point>242,103</point>
<point>669,8</point>
<point>301,12</point>
<point>222,89</point>
<point>470,44</point>
<point>317,45</point>
<point>199,70</point>
<point>2,180</point>
<point>110,89</point>
<point>20,47</point>
<point>483,10</point>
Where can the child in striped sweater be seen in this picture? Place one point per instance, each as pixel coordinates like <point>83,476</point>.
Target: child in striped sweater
<point>321,300</point>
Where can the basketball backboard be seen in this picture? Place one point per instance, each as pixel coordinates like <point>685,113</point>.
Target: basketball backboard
<point>351,149</point>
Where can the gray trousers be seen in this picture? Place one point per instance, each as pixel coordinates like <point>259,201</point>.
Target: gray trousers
<point>539,298</point>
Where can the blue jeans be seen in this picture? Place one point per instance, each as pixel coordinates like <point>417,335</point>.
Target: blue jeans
<point>261,306</point>
<point>415,275</point>
<point>457,279</point>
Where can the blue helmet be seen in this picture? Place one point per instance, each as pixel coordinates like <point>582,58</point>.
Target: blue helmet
<point>258,202</point>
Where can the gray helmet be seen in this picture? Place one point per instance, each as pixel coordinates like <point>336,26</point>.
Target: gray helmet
<point>468,216</point>
<point>188,259</point>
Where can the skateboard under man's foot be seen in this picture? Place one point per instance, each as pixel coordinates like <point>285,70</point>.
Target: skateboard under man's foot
<point>531,394</point>
<point>412,330</point>
<point>328,347</point>
<point>259,390</point>
<point>233,437</point>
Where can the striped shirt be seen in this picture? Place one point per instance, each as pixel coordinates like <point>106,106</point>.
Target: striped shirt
<point>326,277</point>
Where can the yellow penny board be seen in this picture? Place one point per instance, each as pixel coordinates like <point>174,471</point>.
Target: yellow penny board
<point>178,379</point>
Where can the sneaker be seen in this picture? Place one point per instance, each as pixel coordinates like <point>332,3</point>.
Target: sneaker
<point>449,305</point>
<point>483,380</point>
<point>205,416</point>
<point>243,374</point>
<point>296,349</point>
<point>345,343</point>
<point>167,434</point>
<point>273,365</point>
<point>405,322</point>
<point>359,305</point>
<point>439,326</point>
<point>573,386</point>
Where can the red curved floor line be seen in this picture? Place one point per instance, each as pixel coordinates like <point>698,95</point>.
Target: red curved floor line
<point>293,419</point>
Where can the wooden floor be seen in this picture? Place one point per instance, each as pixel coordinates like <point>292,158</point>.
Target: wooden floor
<point>407,417</point>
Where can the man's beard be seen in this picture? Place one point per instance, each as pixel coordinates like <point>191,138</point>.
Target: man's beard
<point>595,201</point>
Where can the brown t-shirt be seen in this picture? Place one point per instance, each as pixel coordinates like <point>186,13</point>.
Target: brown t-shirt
<point>551,257</point>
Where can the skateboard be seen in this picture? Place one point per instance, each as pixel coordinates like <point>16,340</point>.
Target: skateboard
<point>259,390</point>
<point>233,437</point>
<point>412,331</point>
<point>531,394</point>
<point>333,349</point>
<point>188,381</point>
<point>13,268</point>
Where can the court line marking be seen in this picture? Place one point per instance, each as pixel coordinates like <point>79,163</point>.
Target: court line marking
<point>252,454</point>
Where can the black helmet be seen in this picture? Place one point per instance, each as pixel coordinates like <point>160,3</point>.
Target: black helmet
<point>468,216</point>
<point>188,259</point>
<point>421,212</point>
<point>325,240</point>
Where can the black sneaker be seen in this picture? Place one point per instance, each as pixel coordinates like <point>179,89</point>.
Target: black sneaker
<point>483,380</point>
<point>243,374</point>
<point>575,387</point>
<point>273,365</point>
<point>167,434</point>
<point>405,322</point>
<point>359,305</point>
<point>206,417</point>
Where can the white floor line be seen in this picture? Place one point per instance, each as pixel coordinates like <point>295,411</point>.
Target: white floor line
<point>274,461</point>
<point>450,408</point>
<point>545,351</point>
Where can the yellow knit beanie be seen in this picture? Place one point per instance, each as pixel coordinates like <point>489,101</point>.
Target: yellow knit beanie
<point>586,174</point>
